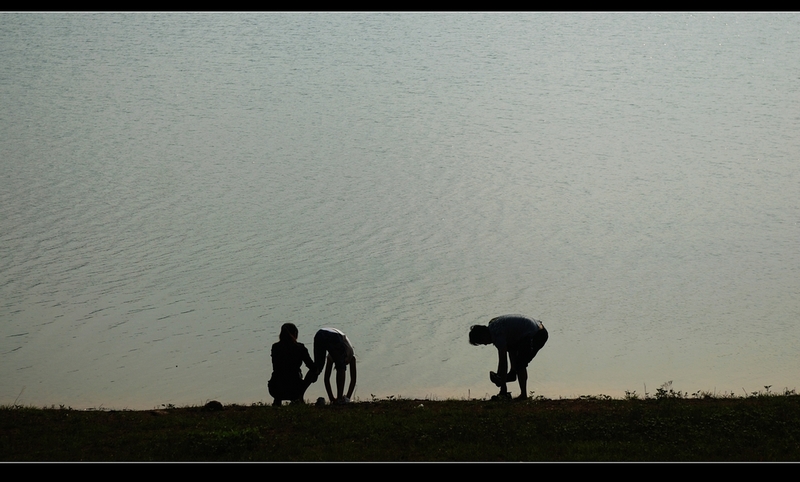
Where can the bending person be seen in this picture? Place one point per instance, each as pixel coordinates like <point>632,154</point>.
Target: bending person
<point>339,354</point>
<point>288,355</point>
<point>516,336</point>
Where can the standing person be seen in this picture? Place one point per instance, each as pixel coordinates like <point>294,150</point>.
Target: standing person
<point>340,354</point>
<point>516,336</point>
<point>288,355</point>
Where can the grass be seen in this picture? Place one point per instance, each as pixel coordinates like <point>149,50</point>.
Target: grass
<point>667,426</point>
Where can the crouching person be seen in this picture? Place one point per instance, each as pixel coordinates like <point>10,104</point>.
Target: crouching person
<point>288,356</point>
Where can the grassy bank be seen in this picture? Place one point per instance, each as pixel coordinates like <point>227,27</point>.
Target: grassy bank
<point>672,427</point>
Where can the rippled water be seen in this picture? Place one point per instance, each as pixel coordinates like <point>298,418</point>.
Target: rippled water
<point>176,186</point>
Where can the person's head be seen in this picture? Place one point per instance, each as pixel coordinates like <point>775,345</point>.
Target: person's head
<point>288,333</point>
<point>480,335</point>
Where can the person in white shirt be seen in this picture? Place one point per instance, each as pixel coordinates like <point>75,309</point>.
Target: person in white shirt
<point>340,354</point>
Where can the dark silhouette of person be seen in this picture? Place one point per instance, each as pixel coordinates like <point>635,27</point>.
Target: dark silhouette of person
<point>288,355</point>
<point>519,338</point>
<point>340,354</point>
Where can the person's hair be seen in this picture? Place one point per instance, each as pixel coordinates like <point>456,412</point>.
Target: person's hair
<point>288,333</point>
<point>479,335</point>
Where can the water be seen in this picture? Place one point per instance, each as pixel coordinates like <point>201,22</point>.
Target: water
<point>177,186</point>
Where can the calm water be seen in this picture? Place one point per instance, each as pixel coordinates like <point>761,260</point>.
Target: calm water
<point>174,187</point>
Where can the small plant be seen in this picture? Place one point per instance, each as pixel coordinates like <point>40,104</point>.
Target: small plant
<point>768,393</point>
<point>390,398</point>
<point>17,399</point>
<point>536,398</point>
<point>666,391</point>
<point>702,394</point>
<point>631,395</point>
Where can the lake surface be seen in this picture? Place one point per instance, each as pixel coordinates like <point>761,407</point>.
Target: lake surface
<point>175,187</point>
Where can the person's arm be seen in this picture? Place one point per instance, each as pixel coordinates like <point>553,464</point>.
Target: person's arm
<point>307,359</point>
<point>328,368</point>
<point>352,387</point>
<point>502,368</point>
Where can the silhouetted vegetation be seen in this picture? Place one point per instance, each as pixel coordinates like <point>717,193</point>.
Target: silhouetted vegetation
<point>666,426</point>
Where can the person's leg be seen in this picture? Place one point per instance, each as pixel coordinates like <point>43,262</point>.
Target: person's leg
<point>299,389</point>
<point>511,375</point>
<point>517,359</point>
<point>514,354</point>
<point>522,377</point>
<point>274,389</point>
<point>319,350</point>
<point>307,381</point>
<point>532,347</point>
